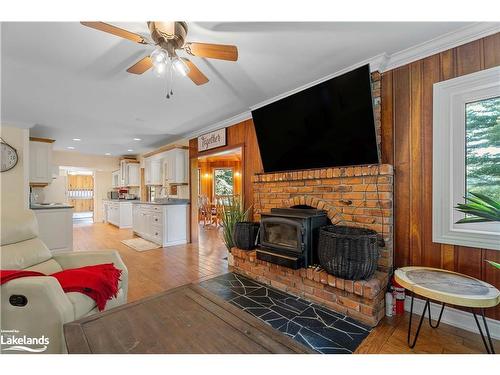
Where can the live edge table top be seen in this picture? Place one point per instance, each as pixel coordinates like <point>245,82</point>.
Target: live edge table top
<point>448,287</point>
<point>188,319</point>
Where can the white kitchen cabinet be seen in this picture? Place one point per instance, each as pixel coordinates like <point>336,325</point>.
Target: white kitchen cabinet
<point>175,166</point>
<point>118,213</point>
<point>40,162</point>
<point>166,225</point>
<point>133,174</point>
<point>55,228</point>
<point>152,171</point>
<point>115,179</point>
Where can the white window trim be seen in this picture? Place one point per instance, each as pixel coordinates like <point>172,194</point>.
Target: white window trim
<point>448,178</point>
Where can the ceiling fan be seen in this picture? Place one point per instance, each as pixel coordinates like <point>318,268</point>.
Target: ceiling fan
<point>168,37</point>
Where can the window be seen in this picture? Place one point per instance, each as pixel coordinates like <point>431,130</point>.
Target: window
<point>482,147</point>
<point>223,181</point>
<point>466,155</point>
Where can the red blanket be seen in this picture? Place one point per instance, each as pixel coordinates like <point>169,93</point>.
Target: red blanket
<point>99,282</point>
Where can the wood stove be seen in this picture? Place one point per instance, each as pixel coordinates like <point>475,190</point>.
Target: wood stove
<point>289,236</point>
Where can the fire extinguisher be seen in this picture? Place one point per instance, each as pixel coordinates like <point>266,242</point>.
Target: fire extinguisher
<point>398,295</point>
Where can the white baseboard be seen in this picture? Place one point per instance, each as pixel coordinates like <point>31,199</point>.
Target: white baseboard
<point>456,318</point>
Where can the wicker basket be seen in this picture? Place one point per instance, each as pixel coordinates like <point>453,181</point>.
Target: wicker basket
<point>348,252</point>
<point>245,234</point>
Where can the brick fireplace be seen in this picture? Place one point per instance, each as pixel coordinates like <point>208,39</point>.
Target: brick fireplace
<point>356,196</point>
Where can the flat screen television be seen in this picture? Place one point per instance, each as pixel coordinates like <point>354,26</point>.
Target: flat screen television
<point>328,125</point>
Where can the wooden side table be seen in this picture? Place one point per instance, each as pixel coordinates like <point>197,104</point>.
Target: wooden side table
<point>449,288</point>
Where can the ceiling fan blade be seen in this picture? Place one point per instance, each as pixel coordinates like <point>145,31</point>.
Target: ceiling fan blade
<point>213,51</point>
<point>107,28</point>
<point>195,74</point>
<point>141,66</point>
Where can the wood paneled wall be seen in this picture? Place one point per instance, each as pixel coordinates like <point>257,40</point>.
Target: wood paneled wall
<point>241,134</point>
<point>81,182</point>
<point>238,135</point>
<point>407,144</point>
<point>207,176</point>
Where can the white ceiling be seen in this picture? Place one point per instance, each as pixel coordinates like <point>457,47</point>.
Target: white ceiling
<point>69,81</point>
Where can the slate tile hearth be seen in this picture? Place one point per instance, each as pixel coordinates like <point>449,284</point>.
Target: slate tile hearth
<point>315,326</point>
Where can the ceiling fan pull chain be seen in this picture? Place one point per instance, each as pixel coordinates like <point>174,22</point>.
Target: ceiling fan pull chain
<point>171,79</point>
<point>169,69</point>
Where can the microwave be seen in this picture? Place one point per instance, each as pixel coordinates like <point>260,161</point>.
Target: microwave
<point>113,195</point>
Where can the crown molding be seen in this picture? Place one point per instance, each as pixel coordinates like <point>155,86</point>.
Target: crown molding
<point>219,125</point>
<point>376,63</point>
<point>442,43</point>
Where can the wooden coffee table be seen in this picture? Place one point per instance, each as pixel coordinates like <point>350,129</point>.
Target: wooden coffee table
<point>449,288</point>
<point>188,319</point>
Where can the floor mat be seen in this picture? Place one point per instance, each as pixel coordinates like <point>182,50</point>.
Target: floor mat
<point>313,325</point>
<point>140,244</point>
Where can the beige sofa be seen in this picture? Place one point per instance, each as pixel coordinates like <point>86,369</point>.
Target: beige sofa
<point>47,307</point>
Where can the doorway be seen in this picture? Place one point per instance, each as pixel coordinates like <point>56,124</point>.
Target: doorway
<point>81,196</point>
<point>219,181</point>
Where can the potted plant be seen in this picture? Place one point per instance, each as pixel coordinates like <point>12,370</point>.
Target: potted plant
<point>233,212</point>
<point>479,208</point>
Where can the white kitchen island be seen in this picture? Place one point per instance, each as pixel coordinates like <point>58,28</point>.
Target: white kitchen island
<point>55,225</point>
<point>165,223</point>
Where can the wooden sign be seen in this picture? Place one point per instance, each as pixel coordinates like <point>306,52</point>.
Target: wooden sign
<point>212,140</point>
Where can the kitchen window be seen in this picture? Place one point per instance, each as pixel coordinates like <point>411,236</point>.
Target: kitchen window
<point>466,155</point>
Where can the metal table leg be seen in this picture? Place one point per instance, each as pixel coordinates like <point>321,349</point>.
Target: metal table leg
<point>426,307</point>
<point>412,344</point>
<point>440,315</point>
<point>490,349</point>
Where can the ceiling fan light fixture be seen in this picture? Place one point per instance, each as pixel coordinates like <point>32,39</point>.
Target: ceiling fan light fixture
<point>159,56</point>
<point>160,70</point>
<point>180,66</point>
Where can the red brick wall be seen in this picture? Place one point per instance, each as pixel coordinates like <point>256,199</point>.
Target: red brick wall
<point>355,196</point>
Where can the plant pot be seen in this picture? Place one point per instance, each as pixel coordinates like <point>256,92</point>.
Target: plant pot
<point>350,253</point>
<point>245,234</point>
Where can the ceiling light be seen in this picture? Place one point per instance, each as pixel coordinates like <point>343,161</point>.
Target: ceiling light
<point>107,153</point>
<point>77,139</point>
<point>70,148</point>
<point>180,66</point>
<point>130,150</point>
<point>160,69</point>
<point>137,139</point>
<point>159,56</point>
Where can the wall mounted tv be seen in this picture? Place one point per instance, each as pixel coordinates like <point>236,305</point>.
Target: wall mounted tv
<point>328,125</point>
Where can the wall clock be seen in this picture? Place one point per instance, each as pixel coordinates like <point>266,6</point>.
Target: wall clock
<point>8,155</point>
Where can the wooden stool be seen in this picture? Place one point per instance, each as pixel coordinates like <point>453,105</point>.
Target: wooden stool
<point>449,288</point>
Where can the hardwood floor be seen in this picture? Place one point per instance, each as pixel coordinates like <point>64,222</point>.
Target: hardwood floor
<point>157,270</point>
<point>161,269</point>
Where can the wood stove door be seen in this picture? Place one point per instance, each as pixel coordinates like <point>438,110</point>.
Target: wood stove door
<point>282,234</point>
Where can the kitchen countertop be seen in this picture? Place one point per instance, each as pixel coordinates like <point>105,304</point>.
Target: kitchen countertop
<point>49,206</point>
<point>170,202</point>
<point>121,200</point>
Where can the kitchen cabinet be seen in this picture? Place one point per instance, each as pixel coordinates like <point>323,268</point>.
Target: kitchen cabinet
<point>55,228</point>
<point>133,175</point>
<point>115,179</point>
<point>152,171</point>
<point>40,153</point>
<point>127,176</point>
<point>118,213</point>
<point>175,166</point>
<point>166,225</point>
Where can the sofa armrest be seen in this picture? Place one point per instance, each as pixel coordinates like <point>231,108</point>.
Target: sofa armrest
<point>47,310</point>
<point>75,259</point>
